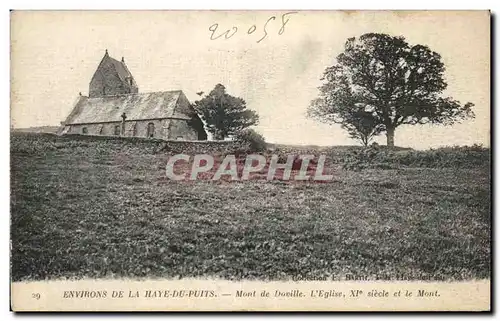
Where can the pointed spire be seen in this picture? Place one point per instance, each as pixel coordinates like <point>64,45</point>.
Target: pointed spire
<point>123,59</point>
<point>106,54</point>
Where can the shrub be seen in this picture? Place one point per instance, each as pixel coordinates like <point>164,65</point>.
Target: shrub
<point>455,156</point>
<point>357,159</point>
<point>251,141</point>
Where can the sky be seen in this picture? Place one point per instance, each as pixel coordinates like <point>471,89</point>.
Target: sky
<point>275,69</point>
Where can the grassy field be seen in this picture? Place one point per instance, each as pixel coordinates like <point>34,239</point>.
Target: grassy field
<point>85,208</point>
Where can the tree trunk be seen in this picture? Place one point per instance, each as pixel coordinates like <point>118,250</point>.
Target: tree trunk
<point>390,136</point>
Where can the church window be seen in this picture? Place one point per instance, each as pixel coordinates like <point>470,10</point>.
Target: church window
<point>151,130</point>
<point>117,130</point>
<point>84,130</point>
<point>134,130</point>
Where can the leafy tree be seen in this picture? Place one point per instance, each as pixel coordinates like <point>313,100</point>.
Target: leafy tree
<point>223,114</point>
<point>359,123</point>
<point>362,126</point>
<point>397,83</point>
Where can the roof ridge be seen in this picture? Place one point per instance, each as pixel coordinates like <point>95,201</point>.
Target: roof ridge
<point>162,91</point>
<point>137,94</point>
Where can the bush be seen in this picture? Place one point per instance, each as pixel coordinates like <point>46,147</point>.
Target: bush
<point>251,141</point>
<point>358,159</point>
<point>444,157</point>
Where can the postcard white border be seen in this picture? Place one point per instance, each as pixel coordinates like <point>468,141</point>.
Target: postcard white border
<point>147,4</point>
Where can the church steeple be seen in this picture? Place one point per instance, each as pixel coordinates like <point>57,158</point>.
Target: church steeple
<point>112,78</point>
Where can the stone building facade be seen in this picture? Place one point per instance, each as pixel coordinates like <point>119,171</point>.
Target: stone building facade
<point>115,107</point>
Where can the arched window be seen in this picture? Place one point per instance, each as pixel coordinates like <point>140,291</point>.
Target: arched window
<point>84,130</point>
<point>134,130</point>
<point>151,130</point>
<point>117,130</point>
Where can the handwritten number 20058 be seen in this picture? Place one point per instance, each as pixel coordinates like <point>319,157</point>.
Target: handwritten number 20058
<point>231,32</point>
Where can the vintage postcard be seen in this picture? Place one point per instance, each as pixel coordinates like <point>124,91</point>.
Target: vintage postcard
<point>250,161</point>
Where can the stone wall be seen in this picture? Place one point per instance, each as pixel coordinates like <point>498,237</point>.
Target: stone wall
<point>186,130</point>
<point>180,130</point>
<point>108,129</point>
<point>160,128</point>
<point>149,145</point>
<point>168,129</point>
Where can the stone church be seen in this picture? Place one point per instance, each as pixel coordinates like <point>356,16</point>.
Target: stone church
<point>114,107</point>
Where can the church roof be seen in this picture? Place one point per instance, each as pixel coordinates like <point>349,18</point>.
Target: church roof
<point>120,68</point>
<point>153,105</point>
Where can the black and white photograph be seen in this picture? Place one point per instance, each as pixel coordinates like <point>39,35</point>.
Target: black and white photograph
<point>250,160</point>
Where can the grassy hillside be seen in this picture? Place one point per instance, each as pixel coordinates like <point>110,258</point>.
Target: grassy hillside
<point>85,207</point>
<point>39,129</point>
